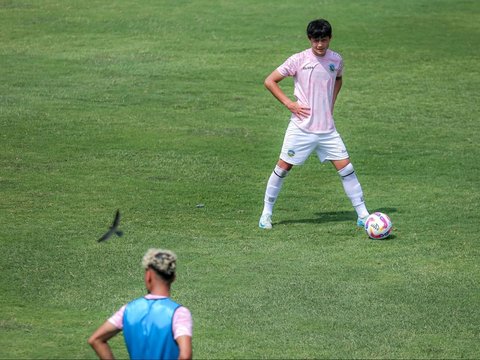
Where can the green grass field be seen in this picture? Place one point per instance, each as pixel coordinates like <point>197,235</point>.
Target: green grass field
<point>155,106</point>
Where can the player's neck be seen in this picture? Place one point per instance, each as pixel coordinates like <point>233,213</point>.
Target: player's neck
<point>160,290</point>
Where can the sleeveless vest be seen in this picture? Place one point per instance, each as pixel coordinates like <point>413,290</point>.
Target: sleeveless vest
<point>147,329</point>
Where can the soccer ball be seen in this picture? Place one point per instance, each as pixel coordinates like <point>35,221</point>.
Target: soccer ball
<point>378,226</point>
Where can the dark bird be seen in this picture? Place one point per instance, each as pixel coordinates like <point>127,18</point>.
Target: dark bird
<point>113,229</point>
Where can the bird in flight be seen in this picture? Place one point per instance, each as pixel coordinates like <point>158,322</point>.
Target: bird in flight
<point>113,229</point>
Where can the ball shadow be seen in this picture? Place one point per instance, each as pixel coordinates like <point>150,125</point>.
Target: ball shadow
<point>334,216</point>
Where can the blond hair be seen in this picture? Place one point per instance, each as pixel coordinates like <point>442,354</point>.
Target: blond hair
<point>163,262</point>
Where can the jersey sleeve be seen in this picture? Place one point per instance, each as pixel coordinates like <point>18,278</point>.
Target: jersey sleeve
<point>290,66</point>
<point>182,323</point>
<point>340,69</point>
<point>117,318</point>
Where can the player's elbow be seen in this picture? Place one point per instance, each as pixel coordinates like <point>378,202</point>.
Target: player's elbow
<point>91,341</point>
<point>268,83</point>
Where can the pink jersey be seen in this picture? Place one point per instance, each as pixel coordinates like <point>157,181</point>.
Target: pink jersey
<point>314,80</point>
<point>182,319</point>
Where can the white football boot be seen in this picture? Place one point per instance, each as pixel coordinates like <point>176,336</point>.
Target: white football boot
<point>265,221</point>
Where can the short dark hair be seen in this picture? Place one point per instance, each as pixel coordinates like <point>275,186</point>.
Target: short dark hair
<point>163,262</point>
<point>318,29</point>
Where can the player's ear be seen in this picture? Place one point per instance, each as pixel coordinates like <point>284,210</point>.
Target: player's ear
<point>148,276</point>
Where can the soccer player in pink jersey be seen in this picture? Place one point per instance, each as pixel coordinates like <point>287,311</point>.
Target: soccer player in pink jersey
<point>154,326</point>
<point>317,74</point>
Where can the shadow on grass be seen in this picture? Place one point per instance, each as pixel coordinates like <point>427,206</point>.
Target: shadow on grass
<point>389,238</point>
<point>333,216</point>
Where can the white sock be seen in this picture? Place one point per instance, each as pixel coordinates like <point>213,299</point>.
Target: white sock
<point>353,190</point>
<point>274,185</point>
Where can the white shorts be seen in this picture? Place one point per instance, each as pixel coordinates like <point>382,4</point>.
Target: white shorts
<point>298,145</point>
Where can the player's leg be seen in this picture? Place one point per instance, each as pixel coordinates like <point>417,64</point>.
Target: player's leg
<point>297,146</point>
<point>274,186</point>
<point>331,147</point>
<point>352,188</point>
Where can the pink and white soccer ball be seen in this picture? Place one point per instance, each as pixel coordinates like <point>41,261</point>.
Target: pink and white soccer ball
<point>378,226</point>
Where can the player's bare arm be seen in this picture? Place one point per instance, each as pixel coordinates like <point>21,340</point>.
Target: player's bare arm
<point>271,83</point>
<point>99,340</point>
<point>336,90</point>
<point>185,347</point>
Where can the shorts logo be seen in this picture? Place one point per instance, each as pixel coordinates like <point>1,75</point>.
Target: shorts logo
<point>291,153</point>
<point>331,67</point>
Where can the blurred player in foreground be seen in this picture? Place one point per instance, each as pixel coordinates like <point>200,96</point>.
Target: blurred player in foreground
<point>154,326</point>
<point>317,74</point>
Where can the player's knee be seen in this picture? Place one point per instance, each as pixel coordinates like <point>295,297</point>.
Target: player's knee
<point>280,172</point>
<point>346,171</point>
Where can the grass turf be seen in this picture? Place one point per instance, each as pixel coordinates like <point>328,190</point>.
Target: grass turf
<point>154,107</point>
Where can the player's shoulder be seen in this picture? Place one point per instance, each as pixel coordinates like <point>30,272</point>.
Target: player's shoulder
<point>300,55</point>
<point>293,63</point>
<point>300,58</point>
<point>182,312</point>
<point>334,55</point>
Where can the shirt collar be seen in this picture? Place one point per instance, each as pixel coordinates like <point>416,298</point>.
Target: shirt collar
<point>152,297</point>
